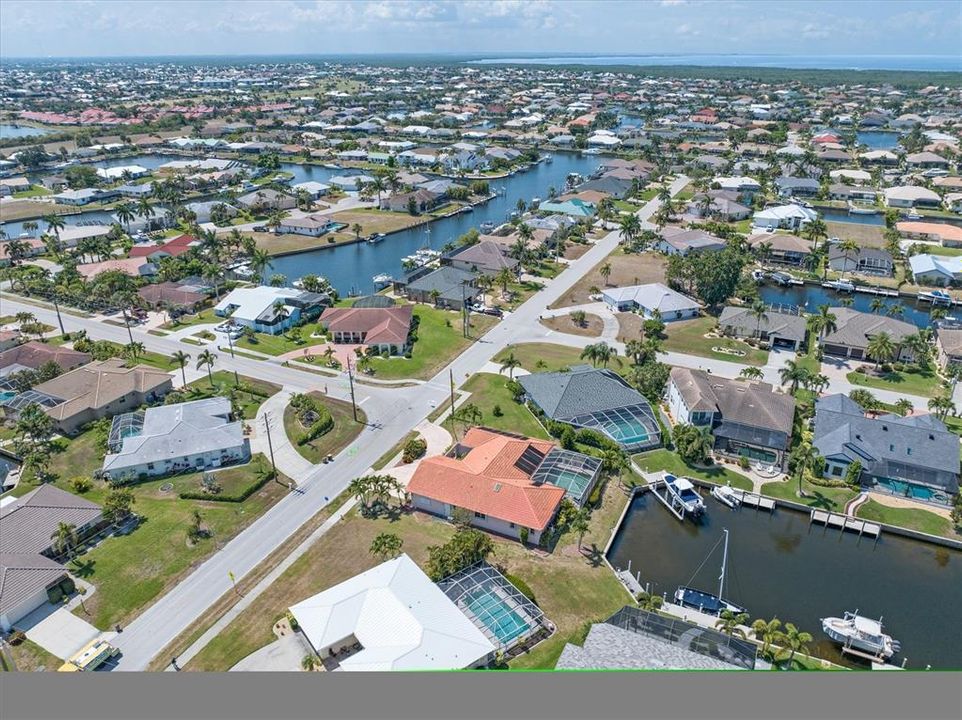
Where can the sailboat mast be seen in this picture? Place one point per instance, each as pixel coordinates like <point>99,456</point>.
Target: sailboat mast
<point>721,579</point>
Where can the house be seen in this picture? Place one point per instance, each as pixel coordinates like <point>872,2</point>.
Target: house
<point>82,196</point>
<point>916,449</point>
<point>650,299</point>
<point>28,581</point>
<point>122,172</point>
<point>448,286</point>
<point>381,329</point>
<point>174,247</point>
<point>9,339</point>
<point>506,482</point>
<point>852,192</point>
<point>747,418</point>
<point>204,210</point>
<point>743,185</point>
<point>778,329</point>
<point>172,296</point>
<point>948,346</point>
<point>102,389</point>
<point>720,204</point>
<point>32,355</point>
<point>596,399</point>
<point>391,617</point>
<point>943,233</point>
<point>908,196</point>
<point>183,437</point>
<point>926,160</point>
<point>855,330</point>
<point>484,256</point>
<point>313,189</point>
<point>134,266</point>
<point>311,225</point>
<point>879,157</point>
<point>785,217</point>
<point>935,269</point>
<point>866,260</point>
<point>420,200</point>
<point>574,208</point>
<point>678,241</point>
<point>796,187</point>
<point>781,248</point>
<point>265,199</point>
<point>270,310</point>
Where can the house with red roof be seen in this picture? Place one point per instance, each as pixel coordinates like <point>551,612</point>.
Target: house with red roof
<point>379,328</point>
<point>507,483</point>
<point>172,248</point>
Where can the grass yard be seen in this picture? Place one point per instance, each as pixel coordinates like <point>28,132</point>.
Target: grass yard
<point>564,324</point>
<point>439,342</point>
<point>911,382</point>
<point>554,357</point>
<point>344,432</point>
<point>28,208</point>
<point>661,459</point>
<point>488,390</point>
<point>251,394</point>
<point>269,344</point>
<point>571,587</point>
<point>376,221</point>
<point>204,317</point>
<point>816,496</point>
<point>688,337</point>
<point>626,269</point>
<point>911,518</point>
<point>30,657</point>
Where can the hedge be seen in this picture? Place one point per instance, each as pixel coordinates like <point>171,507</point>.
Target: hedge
<point>236,498</point>
<point>323,424</point>
<point>522,587</point>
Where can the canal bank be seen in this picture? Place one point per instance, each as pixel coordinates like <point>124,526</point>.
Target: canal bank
<point>781,565</point>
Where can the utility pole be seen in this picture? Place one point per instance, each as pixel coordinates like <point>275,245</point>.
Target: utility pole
<point>56,307</point>
<point>350,379</point>
<point>230,343</point>
<point>270,445</point>
<point>454,429</point>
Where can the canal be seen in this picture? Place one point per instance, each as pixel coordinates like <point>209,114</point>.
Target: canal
<point>809,297</point>
<point>780,566</point>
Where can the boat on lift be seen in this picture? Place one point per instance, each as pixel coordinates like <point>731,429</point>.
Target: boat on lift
<point>726,495</point>
<point>683,491</point>
<point>861,633</point>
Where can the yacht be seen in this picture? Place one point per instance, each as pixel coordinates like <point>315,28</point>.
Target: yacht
<point>707,602</point>
<point>487,227</point>
<point>683,491</point>
<point>856,209</point>
<point>936,296</point>
<point>840,285</point>
<point>726,495</point>
<point>382,280</point>
<point>861,633</point>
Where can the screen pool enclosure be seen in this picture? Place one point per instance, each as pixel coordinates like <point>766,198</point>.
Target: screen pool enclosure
<point>634,427</point>
<point>124,426</point>
<point>573,471</point>
<point>495,606</point>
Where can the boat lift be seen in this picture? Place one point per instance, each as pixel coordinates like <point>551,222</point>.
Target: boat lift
<point>665,497</point>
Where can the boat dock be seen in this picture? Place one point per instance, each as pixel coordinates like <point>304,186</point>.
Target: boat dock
<point>844,522</point>
<point>665,498</point>
<point>759,502</point>
<point>631,582</point>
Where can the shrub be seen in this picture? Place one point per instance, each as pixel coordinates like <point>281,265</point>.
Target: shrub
<point>263,475</point>
<point>17,637</point>
<point>67,586</point>
<point>55,594</point>
<point>81,484</point>
<point>595,497</point>
<point>413,449</point>
<point>523,535</point>
<point>496,411</point>
<point>743,462</point>
<point>522,587</point>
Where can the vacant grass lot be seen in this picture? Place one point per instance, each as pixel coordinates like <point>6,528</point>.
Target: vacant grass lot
<point>553,357</point>
<point>376,221</point>
<point>251,393</point>
<point>910,382</point>
<point>688,337</point>
<point>816,496</point>
<point>592,327</point>
<point>912,518</point>
<point>572,587</point>
<point>626,269</point>
<point>439,341</point>
<point>661,459</point>
<point>488,390</point>
<point>344,432</point>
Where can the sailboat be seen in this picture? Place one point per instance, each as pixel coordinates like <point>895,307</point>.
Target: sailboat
<point>707,602</point>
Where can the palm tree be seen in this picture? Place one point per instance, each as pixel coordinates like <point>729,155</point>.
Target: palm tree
<point>207,358</point>
<point>729,622</point>
<point>903,406</point>
<point>881,348</point>
<point>759,311</point>
<point>125,213</point>
<point>581,524</point>
<point>55,223</point>
<point>752,373</point>
<point>181,358</point>
<point>942,405</point>
<point>145,209</point>
<point>794,640</point>
<point>802,459</point>
<point>259,262</point>
<point>816,230</point>
<point>823,322</point>
<point>504,277</point>
<point>310,662</point>
<point>649,602</point>
<point>64,537</point>
<point>386,546</point>
<point>848,247</point>
<point>768,632</point>
<point>877,305</point>
<point>509,363</point>
<point>435,296</point>
<point>895,310</point>
<point>590,352</point>
<point>864,399</point>
<point>356,229</point>
<point>630,228</point>
<point>605,272</point>
<point>135,350</point>
<point>794,373</point>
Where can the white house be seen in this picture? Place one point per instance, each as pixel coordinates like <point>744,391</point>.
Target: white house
<point>312,225</point>
<point>647,299</point>
<point>787,217</point>
<point>182,437</point>
<point>268,309</point>
<point>935,269</point>
<point>116,173</point>
<point>906,196</point>
<point>312,188</point>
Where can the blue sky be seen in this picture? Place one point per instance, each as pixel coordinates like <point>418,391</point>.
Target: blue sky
<point>30,28</point>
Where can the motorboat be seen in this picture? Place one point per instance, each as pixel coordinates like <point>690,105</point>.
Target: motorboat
<point>683,492</point>
<point>375,238</point>
<point>861,633</point>
<point>781,278</point>
<point>706,602</point>
<point>487,227</point>
<point>856,209</point>
<point>758,276</point>
<point>913,216</point>
<point>936,297</point>
<point>382,280</point>
<point>839,285</point>
<point>726,495</point>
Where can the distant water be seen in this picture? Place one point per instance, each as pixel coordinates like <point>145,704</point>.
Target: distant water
<point>949,63</point>
<point>19,131</point>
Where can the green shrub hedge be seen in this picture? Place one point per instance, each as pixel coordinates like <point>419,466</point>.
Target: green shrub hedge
<point>263,476</point>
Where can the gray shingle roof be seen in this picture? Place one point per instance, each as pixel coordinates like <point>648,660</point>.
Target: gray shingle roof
<point>791,327</point>
<point>27,524</point>
<point>855,329</point>
<point>582,390</point>
<point>23,575</point>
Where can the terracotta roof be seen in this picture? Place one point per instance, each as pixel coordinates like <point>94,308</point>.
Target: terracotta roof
<point>381,325</point>
<point>489,480</point>
<point>175,246</point>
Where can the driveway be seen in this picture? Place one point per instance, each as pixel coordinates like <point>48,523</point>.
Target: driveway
<point>57,630</point>
<point>283,655</point>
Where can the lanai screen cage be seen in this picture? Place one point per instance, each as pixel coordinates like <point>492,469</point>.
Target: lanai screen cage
<point>573,471</point>
<point>124,426</point>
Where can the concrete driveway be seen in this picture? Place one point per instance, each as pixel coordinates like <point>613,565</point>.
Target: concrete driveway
<point>283,655</point>
<point>57,630</point>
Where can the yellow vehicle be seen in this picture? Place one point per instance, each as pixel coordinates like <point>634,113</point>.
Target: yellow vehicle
<point>91,656</point>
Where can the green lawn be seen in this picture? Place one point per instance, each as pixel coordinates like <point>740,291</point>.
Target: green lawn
<point>910,382</point>
<point>661,459</point>
<point>30,657</point>
<point>911,518</point>
<point>270,344</point>
<point>205,317</point>
<point>252,392</point>
<point>688,337</point>
<point>554,357</point>
<point>488,390</point>
<point>816,496</point>
<point>162,362</point>
<point>439,341</point>
<point>344,432</point>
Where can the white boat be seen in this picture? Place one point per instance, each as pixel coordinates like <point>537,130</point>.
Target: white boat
<point>936,296</point>
<point>839,285</point>
<point>758,276</point>
<point>535,201</point>
<point>781,278</point>
<point>861,633</point>
<point>707,602</point>
<point>683,491</point>
<point>726,495</point>
<point>487,227</point>
<point>376,237</point>
<point>382,280</point>
<point>913,216</point>
<point>855,209</point>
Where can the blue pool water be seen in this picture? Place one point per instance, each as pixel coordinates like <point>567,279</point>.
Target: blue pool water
<point>501,620</point>
<point>904,489</point>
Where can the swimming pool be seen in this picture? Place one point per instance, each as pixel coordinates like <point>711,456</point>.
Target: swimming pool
<point>6,395</point>
<point>503,622</point>
<point>907,489</point>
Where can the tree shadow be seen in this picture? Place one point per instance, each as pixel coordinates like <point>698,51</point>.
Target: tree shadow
<point>818,500</point>
<point>83,568</point>
<point>594,555</point>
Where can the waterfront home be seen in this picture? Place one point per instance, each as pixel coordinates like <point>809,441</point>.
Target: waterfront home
<point>679,241</point>
<point>917,450</point>
<point>122,172</point>
<point>391,617</point>
<point>505,482</point>
<point>380,329</point>
<point>948,346</point>
<point>314,190</point>
<point>203,210</point>
<point>744,186</point>
<point>942,233</point>
<point>723,205</point>
<point>597,399</point>
<point>609,185</point>
<point>785,217</point>
<point>33,355</point>
<point>879,157</point>
<point>484,256</point>
<point>858,177</point>
<point>310,225</point>
<point>447,286</point>
<point>82,196</point>
<point>796,186</point>
<point>935,269</point>
<point>573,208</point>
<point>101,389</point>
<point>865,260</point>
<point>781,248</point>
<point>926,160</point>
<point>855,330</point>
<point>746,418</point>
<point>419,200</point>
<point>909,196</point>
<point>172,296</point>
<point>174,247</point>
<point>266,199</point>
<point>270,310</point>
<point>183,437</point>
<point>778,329</point>
<point>651,299</point>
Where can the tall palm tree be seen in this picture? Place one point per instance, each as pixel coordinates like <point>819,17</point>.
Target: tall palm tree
<point>730,622</point>
<point>759,311</point>
<point>881,348</point>
<point>903,406</point>
<point>590,352</point>
<point>504,277</point>
<point>816,230</point>
<point>125,213</point>
<point>768,632</point>
<point>207,358</point>
<point>942,405</point>
<point>823,322</point>
<point>181,358</point>
<point>259,262</point>
<point>877,305</point>
<point>64,537</point>
<point>794,374</point>
<point>794,640</point>
<point>54,223</point>
<point>848,247</point>
<point>605,271</point>
<point>509,363</point>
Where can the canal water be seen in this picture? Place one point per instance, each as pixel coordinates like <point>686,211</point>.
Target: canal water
<point>352,267</point>
<point>780,566</point>
<point>809,297</point>
<point>878,139</point>
<point>20,131</point>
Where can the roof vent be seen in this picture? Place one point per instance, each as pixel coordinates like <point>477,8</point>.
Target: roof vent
<point>497,487</point>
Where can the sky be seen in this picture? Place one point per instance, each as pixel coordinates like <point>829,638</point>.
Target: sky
<point>78,28</point>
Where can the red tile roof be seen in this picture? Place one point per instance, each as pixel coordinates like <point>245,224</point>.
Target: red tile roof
<point>380,325</point>
<point>175,246</point>
<point>488,480</point>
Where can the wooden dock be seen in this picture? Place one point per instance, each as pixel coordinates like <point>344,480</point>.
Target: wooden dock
<point>844,522</point>
<point>759,502</point>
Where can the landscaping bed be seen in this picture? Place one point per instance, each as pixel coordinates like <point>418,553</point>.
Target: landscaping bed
<point>343,430</point>
<point>592,326</point>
